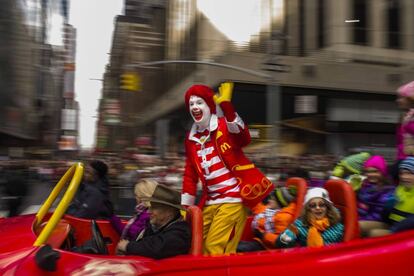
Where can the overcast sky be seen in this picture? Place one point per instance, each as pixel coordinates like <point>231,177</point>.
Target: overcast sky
<point>94,23</point>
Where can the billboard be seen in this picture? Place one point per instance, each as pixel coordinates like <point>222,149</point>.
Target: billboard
<point>111,111</point>
<point>68,142</point>
<point>69,119</point>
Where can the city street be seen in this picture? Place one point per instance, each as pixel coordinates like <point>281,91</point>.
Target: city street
<point>122,199</point>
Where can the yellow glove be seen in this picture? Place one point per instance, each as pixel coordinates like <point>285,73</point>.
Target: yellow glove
<point>225,93</point>
<point>338,171</point>
<point>356,181</point>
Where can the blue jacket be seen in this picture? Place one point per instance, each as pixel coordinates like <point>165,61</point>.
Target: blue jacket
<point>372,199</point>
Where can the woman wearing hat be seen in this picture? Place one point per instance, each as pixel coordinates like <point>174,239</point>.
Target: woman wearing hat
<point>318,226</point>
<point>167,234</point>
<point>270,220</point>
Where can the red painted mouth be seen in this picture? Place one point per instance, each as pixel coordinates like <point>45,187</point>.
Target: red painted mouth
<point>197,114</point>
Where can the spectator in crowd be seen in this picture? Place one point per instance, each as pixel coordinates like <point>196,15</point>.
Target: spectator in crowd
<point>318,226</point>
<point>167,234</point>
<point>16,186</point>
<point>374,193</point>
<point>92,199</point>
<point>401,208</point>
<point>138,222</point>
<point>271,219</point>
<point>405,130</point>
<point>350,169</point>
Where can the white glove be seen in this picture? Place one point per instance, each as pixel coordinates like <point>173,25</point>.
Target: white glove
<point>284,238</point>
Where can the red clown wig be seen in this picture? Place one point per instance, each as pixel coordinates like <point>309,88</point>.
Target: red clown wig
<point>204,92</point>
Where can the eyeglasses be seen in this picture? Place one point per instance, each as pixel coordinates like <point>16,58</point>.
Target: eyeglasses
<point>313,205</point>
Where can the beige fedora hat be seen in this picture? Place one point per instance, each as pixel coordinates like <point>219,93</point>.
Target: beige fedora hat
<point>149,190</point>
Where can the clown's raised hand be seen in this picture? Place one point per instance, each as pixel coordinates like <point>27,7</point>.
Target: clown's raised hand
<point>225,93</point>
<point>223,99</point>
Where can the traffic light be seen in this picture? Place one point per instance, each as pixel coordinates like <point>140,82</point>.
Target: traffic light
<point>130,81</point>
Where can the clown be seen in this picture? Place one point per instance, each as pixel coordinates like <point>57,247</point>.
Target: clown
<point>214,156</point>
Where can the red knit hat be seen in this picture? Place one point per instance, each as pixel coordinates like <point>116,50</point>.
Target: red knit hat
<point>204,92</point>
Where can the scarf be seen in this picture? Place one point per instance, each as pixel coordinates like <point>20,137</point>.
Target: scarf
<point>314,234</point>
<point>139,209</point>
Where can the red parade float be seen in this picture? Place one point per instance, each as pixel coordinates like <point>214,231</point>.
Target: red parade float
<point>24,240</point>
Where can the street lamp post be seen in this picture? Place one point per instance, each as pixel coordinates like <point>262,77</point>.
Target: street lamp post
<point>273,93</point>
<point>273,99</point>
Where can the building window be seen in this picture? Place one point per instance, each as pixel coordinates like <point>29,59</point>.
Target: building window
<point>321,23</point>
<point>302,30</point>
<point>360,13</point>
<point>393,16</point>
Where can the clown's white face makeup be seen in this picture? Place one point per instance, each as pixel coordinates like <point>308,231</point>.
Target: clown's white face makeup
<point>200,112</point>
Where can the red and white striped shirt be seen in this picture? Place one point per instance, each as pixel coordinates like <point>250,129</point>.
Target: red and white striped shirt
<point>222,186</point>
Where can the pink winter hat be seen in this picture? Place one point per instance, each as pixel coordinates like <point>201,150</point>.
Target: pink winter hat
<point>378,162</point>
<point>406,90</point>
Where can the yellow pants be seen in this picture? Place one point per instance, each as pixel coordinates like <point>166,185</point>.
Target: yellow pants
<point>219,222</point>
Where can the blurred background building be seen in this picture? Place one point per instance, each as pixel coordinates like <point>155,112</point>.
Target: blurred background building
<point>313,77</point>
<point>332,68</point>
<point>38,113</point>
<point>139,36</point>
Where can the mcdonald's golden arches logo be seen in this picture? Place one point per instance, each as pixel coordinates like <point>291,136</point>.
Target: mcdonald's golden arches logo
<point>225,146</point>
